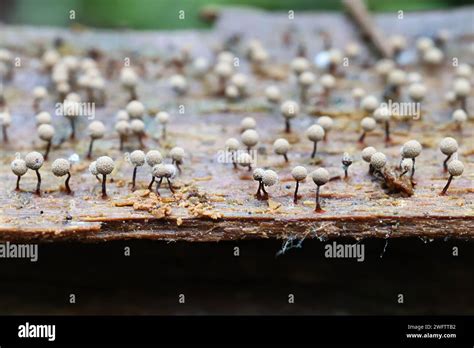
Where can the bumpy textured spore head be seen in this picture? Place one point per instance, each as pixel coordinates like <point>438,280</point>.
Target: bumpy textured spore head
<point>122,127</point>
<point>455,167</point>
<point>411,149</point>
<point>39,92</point>
<point>417,91</point>
<point>46,132</point>
<point>369,103</point>
<point>269,177</point>
<point>153,157</point>
<point>358,93</point>
<point>164,170</point>
<point>459,116</point>
<point>378,160</point>
<point>177,153</point>
<point>179,84</point>
<point>368,124</point>
<point>19,167</point>
<point>248,123</point>
<point>128,77</point>
<point>135,109</point>
<point>34,160</point>
<point>93,168</point>
<point>137,126</point>
<point>462,87</point>
<point>239,80</point>
<point>137,158</point>
<point>273,94</point>
<point>328,81</point>
<point>105,165</point>
<point>232,144</point>
<point>320,176</point>
<point>96,129</point>
<point>290,109</point>
<point>448,146</point>
<point>122,115</point>
<point>326,122</point>
<point>397,77</point>
<point>43,118</point>
<point>299,173</point>
<point>5,119</point>
<point>367,153</point>
<point>315,133</point>
<point>299,65</point>
<point>60,167</point>
<point>382,114</point>
<point>306,79</point>
<point>464,70</point>
<point>281,146</point>
<point>407,164</point>
<point>258,174</point>
<point>163,117</point>
<point>250,138</point>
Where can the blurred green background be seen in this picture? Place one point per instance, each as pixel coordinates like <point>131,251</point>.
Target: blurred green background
<point>163,14</point>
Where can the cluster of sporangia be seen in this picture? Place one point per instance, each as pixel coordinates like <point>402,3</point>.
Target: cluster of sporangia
<point>74,77</point>
<point>431,56</point>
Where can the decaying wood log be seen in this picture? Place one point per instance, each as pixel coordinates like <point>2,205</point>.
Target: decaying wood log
<point>212,201</point>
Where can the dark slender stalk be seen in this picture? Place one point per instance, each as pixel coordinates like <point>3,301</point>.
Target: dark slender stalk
<point>318,206</point>
<point>413,169</point>
<point>133,93</point>
<point>447,186</point>
<point>303,95</point>
<point>287,125</point>
<point>36,106</point>
<point>38,184</point>
<point>259,190</point>
<point>285,156</point>
<point>90,95</point>
<point>5,134</point>
<point>68,189</point>
<point>134,177</point>
<point>315,148</point>
<point>170,185</point>
<point>164,132</point>
<point>402,174</point>
<point>72,122</point>
<point>362,137</point>
<point>104,189</point>
<point>122,138</point>
<point>18,183</point>
<point>140,141</point>
<point>265,193</point>
<point>464,103</point>
<point>158,186</point>
<point>295,197</point>
<point>445,163</point>
<point>371,169</point>
<point>345,173</point>
<point>387,131</point>
<point>48,148</point>
<point>98,179</point>
<point>150,186</point>
<point>89,152</point>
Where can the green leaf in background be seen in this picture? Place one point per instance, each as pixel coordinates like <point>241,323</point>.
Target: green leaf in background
<point>163,14</point>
